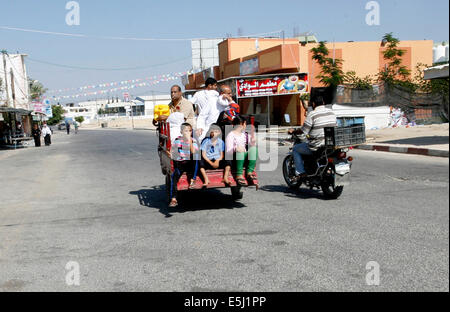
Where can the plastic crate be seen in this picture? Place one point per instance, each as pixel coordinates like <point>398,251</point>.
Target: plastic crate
<point>349,121</point>
<point>345,136</point>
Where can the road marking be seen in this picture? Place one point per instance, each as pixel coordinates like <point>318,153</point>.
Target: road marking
<point>132,150</point>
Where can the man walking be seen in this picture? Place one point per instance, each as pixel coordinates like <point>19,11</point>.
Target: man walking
<point>68,127</point>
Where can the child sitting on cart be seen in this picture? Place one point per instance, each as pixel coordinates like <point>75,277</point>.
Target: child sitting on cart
<point>213,149</point>
<point>183,153</point>
<point>242,148</point>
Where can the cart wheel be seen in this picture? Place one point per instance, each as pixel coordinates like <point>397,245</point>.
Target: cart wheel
<point>236,192</point>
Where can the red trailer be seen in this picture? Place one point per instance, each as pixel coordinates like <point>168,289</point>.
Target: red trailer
<point>215,176</point>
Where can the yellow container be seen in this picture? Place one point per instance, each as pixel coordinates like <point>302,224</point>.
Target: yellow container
<point>161,110</point>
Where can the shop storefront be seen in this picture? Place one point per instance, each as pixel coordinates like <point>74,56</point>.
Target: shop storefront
<point>15,125</point>
<point>273,99</point>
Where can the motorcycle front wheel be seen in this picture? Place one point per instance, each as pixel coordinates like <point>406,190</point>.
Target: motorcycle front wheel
<point>289,173</point>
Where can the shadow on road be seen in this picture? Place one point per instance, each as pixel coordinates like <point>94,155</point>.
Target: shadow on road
<point>302,192</point>
<point>194,200</point>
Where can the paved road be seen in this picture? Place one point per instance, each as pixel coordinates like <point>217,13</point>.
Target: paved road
<point>97,198</point>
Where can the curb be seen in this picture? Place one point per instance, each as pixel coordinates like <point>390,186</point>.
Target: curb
<point>387,148</point>
<point>404,150</point>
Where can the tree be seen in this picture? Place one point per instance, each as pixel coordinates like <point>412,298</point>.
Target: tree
<point>58,115</point>
<point>37,90</point>
<point>331,74</point>
<point>395,72</point>
<point>79,119</point>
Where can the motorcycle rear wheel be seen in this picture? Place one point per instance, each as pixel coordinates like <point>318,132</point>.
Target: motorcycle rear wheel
<point>330,191</point>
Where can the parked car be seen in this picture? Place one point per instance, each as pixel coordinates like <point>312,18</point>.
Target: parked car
<point>62,126</point>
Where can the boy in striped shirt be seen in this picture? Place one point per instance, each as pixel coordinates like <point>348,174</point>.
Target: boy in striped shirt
<point>183,152</point>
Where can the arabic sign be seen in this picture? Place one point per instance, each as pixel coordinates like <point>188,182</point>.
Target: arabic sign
<point>37,107</point>
<point>278,85</point>
<point>249,67</point>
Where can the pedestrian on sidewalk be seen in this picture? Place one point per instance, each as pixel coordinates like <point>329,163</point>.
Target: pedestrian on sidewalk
<point>36,133</point>
<point>47,134</point>
<point>75,126</point>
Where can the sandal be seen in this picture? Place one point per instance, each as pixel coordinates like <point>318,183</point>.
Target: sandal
<point>192,185</point>
<point>252,178</point>
<point>173,203</point>
<point>241,182</point>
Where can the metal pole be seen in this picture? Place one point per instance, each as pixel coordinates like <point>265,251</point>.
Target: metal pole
<point>6,78</point>
<point>132,115</point>
<point>268,111</point>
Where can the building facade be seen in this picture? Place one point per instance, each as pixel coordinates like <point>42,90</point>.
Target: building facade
<point>243,57</point>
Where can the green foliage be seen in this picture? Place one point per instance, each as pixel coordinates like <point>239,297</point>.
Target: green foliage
<point>331,74</point>
<point>394,73</point>
<point>365,83</point>
<point>305,97</point>
<point>37,90</point>
<point>58,115</point>
<point>79,119</point>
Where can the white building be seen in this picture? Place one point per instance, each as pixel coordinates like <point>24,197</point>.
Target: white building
<point>151,100</point>
<point>142,106</point>
<point>14,81</point>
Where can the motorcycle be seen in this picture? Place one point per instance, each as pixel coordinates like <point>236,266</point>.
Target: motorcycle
<point>328,169</point>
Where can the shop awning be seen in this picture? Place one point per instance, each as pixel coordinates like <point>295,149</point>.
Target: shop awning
<point>14,110</point>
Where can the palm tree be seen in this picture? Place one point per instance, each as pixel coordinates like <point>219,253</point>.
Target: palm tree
<point>37,90</point>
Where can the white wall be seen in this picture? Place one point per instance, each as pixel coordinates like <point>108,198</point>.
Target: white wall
<point>15,64</point>
<point>375,117</point>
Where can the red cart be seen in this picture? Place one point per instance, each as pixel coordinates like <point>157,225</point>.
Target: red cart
<point>215,176</point>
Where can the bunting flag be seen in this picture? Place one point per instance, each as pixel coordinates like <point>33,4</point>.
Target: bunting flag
<point>119,86</point>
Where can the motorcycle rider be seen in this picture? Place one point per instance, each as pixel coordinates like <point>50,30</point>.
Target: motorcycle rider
<point>313,128</point>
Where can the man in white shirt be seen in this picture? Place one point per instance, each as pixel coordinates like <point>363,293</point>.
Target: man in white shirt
<point>211,111</point>
<point>200,98</point>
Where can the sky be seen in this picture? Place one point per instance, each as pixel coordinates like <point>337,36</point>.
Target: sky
<point>328,20</point>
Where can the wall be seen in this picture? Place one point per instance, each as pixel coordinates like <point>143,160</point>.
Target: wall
<point>16,64</point>
<point>366,58</point>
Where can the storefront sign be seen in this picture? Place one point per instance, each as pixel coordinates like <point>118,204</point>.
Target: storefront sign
<point>249,67</point>
<point>278,85</point>
<point>37,107</point>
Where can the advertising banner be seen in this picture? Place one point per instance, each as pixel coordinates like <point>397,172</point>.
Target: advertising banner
<point>277,85</point>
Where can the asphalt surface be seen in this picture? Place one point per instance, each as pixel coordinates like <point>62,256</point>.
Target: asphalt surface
<point>98,198</point>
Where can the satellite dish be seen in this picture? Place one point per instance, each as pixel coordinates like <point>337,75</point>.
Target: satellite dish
<point>257,45</point>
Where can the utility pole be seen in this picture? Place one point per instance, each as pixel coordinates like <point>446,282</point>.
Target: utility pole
<point>132,114</point>
<point>6,77</point>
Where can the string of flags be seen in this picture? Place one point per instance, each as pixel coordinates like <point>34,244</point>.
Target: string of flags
<point>119,86</point>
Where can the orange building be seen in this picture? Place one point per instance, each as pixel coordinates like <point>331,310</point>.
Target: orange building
<point>241,58</point>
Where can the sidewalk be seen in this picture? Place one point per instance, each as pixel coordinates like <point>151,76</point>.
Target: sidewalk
<point>430,140</point>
